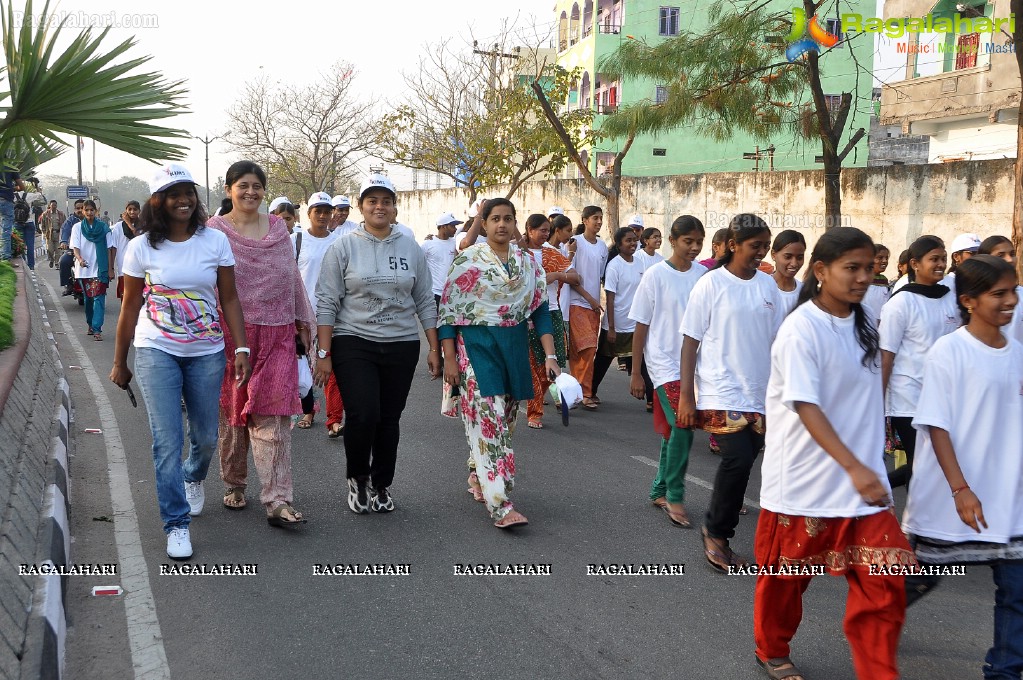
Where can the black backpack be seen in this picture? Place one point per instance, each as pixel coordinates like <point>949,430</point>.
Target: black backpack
<point>22,210</point>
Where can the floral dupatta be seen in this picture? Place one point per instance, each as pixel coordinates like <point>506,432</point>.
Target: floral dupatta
<point>482,291</point>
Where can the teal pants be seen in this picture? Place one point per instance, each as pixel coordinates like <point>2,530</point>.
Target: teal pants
<point>670,481</point>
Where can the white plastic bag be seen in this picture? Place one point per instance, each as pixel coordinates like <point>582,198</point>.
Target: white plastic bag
<point>305,377</point>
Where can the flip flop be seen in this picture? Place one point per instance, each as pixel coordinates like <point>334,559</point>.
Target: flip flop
<point>475,489</point>
<point>661,502</point>
<point>502,524</point>
<point>535,424</point>
<point>678,519</point>
<point>236,495</point>
<point>277,518</point>
<point>304,424</point>
<point>335,430</point>
<point>771,668</point>
<point>589,404</point>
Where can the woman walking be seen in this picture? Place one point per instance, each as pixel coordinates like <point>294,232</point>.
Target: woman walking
<point>826,502</point>
<point>879,290</point>
<point>493,289</point>
<point>649,252</point>
<point>276,308</point>
<point>658,309</point>
<point>911,322</point>
<point>731,320</point>
<point>788,253</point>
<point>559,273</point>
<point>966,502</point>
<point>621,279</point>
<point>173,273</point>
<point>373,283</point>
<point>584,319</point>
<point>124,231</point>
<point>93,246</point>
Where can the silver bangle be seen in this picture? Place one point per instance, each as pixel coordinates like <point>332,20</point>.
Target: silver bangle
<point>242,350</point>
<point>552,356</point>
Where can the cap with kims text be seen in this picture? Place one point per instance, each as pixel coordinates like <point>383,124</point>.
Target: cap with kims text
<point>278,202</point>
<point>168,176</point>
<point>963,242</point>
<point>446,219</point>
<point>636,221</point>
<point>377,181</point>
<point>554,210</point>
<point>341,202</point>
<point>318,199</point>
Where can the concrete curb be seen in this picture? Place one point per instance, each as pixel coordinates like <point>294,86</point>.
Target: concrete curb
<point>36,513</point>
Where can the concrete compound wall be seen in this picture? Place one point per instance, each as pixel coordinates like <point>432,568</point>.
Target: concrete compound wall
<point>35,421</point>
<point>894,204</point>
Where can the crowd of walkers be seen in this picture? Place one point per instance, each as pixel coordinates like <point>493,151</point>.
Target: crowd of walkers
<point>817,363</point>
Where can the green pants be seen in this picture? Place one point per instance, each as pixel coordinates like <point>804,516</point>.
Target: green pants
<point>670,481</point>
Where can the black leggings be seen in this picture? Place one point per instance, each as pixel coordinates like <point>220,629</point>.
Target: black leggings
<point>903,426</point>
<point>738,451</point>
<point>374,379</point>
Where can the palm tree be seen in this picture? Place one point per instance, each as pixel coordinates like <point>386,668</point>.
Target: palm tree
<point>79,91</point>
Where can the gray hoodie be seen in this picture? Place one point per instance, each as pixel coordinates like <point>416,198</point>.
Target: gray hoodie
<point>373,288</point>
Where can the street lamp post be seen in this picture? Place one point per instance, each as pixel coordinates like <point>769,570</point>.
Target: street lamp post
<point>207,141</point>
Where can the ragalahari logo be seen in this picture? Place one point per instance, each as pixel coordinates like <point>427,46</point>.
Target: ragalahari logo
<point>800,44</point>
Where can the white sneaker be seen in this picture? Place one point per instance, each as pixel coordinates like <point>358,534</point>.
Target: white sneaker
<point>179,544</point>
<point>196,498</point>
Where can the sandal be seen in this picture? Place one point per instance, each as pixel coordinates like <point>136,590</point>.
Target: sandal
<point>512,519</point>
<point>474,488</point>
<point>774,670</point>
<point>719,555</point>
<point>589,404</point>
<point>659,502</point>
<point>304,424</point>
<point>278,518</point>
<point>679,519</point>
<point>596,400</point>
<point>90,332</point>
<point>234,498</point>
<point>335,430</point>
<point>535,424</point>
<point>98,337</point>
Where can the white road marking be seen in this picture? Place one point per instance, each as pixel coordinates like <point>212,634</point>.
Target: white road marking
<point>695,480</point>
<point>148,656</point>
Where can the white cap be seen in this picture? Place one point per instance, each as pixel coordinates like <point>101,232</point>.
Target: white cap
<point>447,218</point>
<point>278,202</point>
<point>636,221</point>
<point>962,242</point>
<point>474,209</point>
<point>554,210</point>
<point>377,181</point>
<point>169,175</point>
<point>317,199</point>
<point>341,202</point>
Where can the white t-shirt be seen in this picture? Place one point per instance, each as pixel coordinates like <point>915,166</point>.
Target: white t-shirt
<point>589,262</point>
<point>88,251</point>
<point>405,230</point>
<point>439,255</point>
<point>345,227</point>
<point>121,243</point>
<point>900,282</point>
<point>460,234</point>
<point>1014,329</point>
<point>660,302</point>
<point>311,257</point>
<point>817,359</point>
<point>735,321</point>
<point>179,313</point>
<point>789,298</point>
<point>975,393</point>
<point>874,301</point>
<point>910,325</point>
<point>647,261</point>
<point>622,278</point>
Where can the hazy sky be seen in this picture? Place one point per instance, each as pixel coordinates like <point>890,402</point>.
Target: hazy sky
<point>218,46</point>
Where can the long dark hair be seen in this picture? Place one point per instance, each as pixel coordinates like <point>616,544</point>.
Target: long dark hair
<point>833,244</point>
<point>786,238</point>
<point>588,211</point>
<point>535,221</point>
<point>978,275</point>
<point>988,245</point>
<point>648,233</point>
<point>919,248</point>
<point>493,203</point>
<point>685,224</point>
<point>742,227</point>
<point>154,221</point>
<point>558,223</point>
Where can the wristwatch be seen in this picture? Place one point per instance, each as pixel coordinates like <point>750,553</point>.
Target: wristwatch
<point>322,353</point>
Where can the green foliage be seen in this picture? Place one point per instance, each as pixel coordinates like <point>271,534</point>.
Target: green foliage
<point>79,90</point>
<point>7,292</point>
<point>723,80</point>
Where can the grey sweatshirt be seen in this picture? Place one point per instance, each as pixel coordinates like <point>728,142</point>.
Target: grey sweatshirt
<point>373,288</point>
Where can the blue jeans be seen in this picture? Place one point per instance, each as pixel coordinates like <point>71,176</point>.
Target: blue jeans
<point>6,226</point>
<point>95,309</point>
<point>67,268</point>
<point>164,379</point>
<point>28,235</point>
<point>1005,658</point>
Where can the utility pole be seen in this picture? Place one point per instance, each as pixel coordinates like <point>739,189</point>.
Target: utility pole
<point>78,149</point>
<point>494,54</point>
<point>207,141</point>
<point>94,163</point>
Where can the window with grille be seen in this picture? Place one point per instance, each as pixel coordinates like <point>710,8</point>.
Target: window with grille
<point>967,47</point>
<point>660,95</point>
<point>668,24</point>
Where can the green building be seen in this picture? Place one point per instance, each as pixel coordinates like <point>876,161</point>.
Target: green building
<point>588,30</point>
